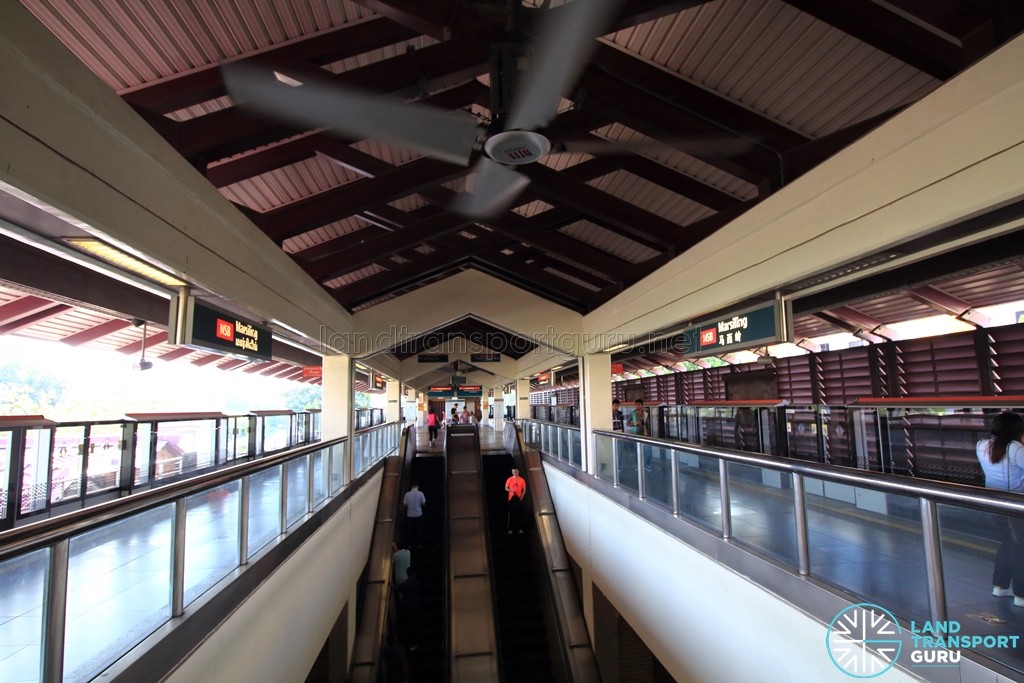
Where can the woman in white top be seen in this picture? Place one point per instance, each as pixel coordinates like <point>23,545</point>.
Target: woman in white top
<point>1002,459</point>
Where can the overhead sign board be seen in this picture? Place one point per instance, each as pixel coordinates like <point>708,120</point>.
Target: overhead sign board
<point>432,358</point>
<point>485,358</point>
<point>544,379</point>
<point>450,391</point>
<point>204,327</point>
<point>313,371</point>
<point>765,324</point>
<point>378,382</point>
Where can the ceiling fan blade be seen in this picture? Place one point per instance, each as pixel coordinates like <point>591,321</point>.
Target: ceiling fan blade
<point>496,187</point>
<point>697,147</point>
<point>444,135</point>
<point>563,47</point>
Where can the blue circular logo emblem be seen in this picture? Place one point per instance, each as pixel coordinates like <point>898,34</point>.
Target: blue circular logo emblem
<point>864,640</point>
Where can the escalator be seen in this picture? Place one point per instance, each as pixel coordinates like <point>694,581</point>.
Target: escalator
<point>522,634</point>
<point>428,660</point>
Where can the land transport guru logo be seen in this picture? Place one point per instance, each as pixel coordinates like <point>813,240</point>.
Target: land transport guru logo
<point>865,641</point>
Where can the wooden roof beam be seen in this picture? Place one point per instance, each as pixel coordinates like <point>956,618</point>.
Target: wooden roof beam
<point>205,83</point>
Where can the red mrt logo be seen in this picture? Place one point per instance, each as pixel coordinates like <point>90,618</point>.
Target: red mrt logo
<point>709,336</point>
<point>225,330</point>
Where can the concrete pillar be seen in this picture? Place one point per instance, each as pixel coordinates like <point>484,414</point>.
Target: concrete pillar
<point>498,403</point>
<point>522,399</point>
<point>337,396</point>
<point>393,412</point>
<point>338,402</point>
<point>595,402</point>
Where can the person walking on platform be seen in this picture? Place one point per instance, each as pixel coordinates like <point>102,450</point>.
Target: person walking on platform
<point>432,424</point>
<point>1002,459</point>
<point>516,488</point>
<point>413,503</point>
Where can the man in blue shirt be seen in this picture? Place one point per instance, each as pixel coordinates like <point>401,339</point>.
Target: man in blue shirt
<point>413,503</point>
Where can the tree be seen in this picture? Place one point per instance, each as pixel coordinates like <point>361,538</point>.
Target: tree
<point>303,398</point>
<point>28,390</point>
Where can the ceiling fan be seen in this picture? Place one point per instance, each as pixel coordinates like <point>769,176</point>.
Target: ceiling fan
<point>563,45</point>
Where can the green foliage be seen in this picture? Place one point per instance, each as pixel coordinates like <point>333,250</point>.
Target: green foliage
<point>303,397</point>
<point>362,400</point>
<point>29,390</point>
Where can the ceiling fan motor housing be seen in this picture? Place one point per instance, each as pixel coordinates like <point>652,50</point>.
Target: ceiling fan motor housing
<point>517,147</point>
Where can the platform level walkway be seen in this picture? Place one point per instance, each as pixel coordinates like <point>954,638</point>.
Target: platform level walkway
<point>867,534</point>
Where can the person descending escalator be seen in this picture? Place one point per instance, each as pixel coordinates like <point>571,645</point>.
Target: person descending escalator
<point>516,488</point>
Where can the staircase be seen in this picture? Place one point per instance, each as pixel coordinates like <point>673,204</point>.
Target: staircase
<point>522,638</point>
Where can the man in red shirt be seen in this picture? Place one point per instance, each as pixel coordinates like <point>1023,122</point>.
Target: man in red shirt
<point>516,488</point>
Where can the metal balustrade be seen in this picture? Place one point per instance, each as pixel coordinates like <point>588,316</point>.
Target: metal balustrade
<point>81,590</point>
<point>922,549</point>
<point>49,467</point>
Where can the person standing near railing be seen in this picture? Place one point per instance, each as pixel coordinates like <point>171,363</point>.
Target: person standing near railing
<point>1002,459</point>
<point>617,416</point>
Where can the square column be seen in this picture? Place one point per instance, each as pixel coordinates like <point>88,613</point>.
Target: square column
<point>393,413</point>
<point>522,399</point>
<point>338,400</point>
<point>595,402</point>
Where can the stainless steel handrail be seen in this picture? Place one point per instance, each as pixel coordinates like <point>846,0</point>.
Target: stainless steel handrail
<point>989,500</point>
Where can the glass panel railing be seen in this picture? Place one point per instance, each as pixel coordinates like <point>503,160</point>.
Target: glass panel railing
<point>211,537</point>
<point>117,591</point>
<point>120,576</point>
<point>657,474</point>
<point>298,490</point>
<point>700,492</point>
<point>22,587</point>
<point>762,511</point>
<point>575,439</point>
<point>628,469</point>
<point>926,551</point>
<point>604,456</point>
<point>264,508</point>
<point>868,543</point>
<point>320,462</point>
<point>337,467</point>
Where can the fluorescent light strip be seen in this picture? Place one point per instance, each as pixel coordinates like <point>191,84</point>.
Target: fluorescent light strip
<point>57,249</point>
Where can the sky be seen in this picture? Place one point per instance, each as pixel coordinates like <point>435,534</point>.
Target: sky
<point>103,384</point>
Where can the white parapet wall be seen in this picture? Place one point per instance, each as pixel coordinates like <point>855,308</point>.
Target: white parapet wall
<point>704,622</point>
<point>277,633</point>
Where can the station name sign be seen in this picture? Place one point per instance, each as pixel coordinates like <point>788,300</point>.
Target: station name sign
<point>211,329</point>
<point>432,358</point>
<point>485,358</point>
<point>766,324</point>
